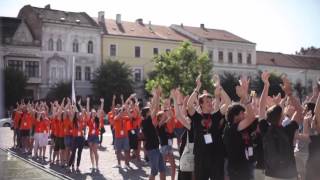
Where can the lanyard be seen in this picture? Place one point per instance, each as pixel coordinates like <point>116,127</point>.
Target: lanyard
<point>207,122</point>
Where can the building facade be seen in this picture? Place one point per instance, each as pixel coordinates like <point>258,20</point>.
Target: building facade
<point>228,52</point>
<point>20,50</point>
<point>64,36</point>
<point>136,44</point>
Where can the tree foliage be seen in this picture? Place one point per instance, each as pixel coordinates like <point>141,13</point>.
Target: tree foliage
<point>112,77</point>
<point>15,83</point>
<point>275,87</point>
<point>59,91</point>
<point>229,81</point>
<point>180,68</point>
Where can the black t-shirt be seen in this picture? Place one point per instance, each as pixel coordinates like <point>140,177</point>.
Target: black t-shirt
<point>289,130</point>
<point>239,146</point>
<point>150,134</point>
<point>215,149</point>
<point>314,150</point>
<point>163,135</point>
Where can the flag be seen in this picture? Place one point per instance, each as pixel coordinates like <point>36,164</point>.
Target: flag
<point>73,93</point>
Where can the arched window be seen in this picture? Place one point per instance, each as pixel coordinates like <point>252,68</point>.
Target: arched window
<point>90,47</point>
<point>75,46</point>
<point>59,45</point>
<point>50,45</point>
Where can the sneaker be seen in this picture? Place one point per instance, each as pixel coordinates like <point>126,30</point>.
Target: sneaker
<point>116,166</point>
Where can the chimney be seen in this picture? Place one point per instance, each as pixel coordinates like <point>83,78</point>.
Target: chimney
<point>47,6</point>
<point>118,18</point>
<point>101,17</point>
<point>181,25</point>
<point>140,21</point>
<point>149,25</point>
<point>202,26</point>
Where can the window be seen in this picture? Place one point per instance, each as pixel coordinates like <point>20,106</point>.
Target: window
<point>57,72</point>
<point>87,74</point>
<point>16,64</point>
<point>137,75</point>
<point>168,50</point>
<point>239,58</point>
<point>137,51</point>
<point>90,47</point>
<point>78,73</point>
<point>50,45</point>
<point>249,59</point>
<point>155,51</point>
<point>230,57</point>
<point>75,46</point>
<point>32,68</point>
<point>113,50</point>
<point>220,54</point>
<point>210,54</point>
<point>59,45</point>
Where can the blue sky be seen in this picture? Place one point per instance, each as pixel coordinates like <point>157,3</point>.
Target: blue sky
<point>274,25</point>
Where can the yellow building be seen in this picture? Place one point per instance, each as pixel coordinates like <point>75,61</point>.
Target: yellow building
<point>136,43</point>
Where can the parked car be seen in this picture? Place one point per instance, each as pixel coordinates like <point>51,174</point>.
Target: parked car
<point>6,122</point>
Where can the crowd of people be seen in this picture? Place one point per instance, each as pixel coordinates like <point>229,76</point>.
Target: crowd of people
<point>265,137</point>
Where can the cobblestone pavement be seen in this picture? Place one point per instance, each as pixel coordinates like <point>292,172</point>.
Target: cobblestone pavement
<point>107,159</point>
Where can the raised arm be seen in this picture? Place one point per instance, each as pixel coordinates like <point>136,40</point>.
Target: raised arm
<point>155,103</point>
<point>263,99</point>
<point>88,104</point>
<point>194,97</point>
<point>177,108</point>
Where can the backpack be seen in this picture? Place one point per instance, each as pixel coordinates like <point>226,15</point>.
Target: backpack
<point>278,154</point>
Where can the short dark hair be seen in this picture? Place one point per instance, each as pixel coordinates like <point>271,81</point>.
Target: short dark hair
<point>274,114</point>
<point>310,107</point>
<point>202,96</point>
<point>234,110</point>
<point>144,112</point>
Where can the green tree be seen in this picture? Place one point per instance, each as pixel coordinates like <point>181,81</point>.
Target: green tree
<point>229,81</point>
<point>15,83</point>
<point>59,91</point>
<point>275,81</point>
<point>180,68</point>
<point>112,77</point>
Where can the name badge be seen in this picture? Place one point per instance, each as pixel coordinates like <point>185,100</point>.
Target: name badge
<point>24,124</point>
<point>93,131</point>
<point>79,133</point>
<point>133,132</point>
<point>170,142</point>
<point>208,138</point>
<point>121,132</point>
<point>250,151</point>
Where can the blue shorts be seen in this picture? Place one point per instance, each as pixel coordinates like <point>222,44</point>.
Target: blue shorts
<point>156,161</point>
<point>93,139</point>
<point>121,144</point>
<point>68,141</point>
<point>165,150</point>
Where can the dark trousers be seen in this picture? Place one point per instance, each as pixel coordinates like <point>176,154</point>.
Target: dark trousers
<point>77,143</point>
<point>205,168</point>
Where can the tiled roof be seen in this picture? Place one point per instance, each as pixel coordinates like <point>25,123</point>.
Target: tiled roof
<point>136,29</point>
<point>286,60</point>
<point>8,27</point>
<point>63,17</point>
<point>213,34</point>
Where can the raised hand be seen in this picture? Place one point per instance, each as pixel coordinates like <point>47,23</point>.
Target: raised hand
<point>265,77</point>
<point>101,100</point>
<point>216,80</point>
<point>286,87</point>
<point>198,82</point>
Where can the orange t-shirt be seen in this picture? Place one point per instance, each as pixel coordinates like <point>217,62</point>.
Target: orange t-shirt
<point>93,128</point>
<point>46,125</point>
<point>59,128</point>
<point>38,126</point>
<point>178,124</point>
<point>53,126</point>
<point>111,118</point>
<point>67,127</point>
<point>120,127</point>
<point>26,121</point>
<point>170,125</point>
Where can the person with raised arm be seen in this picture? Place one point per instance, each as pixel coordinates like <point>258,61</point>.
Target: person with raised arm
<point>148,125</point>
<point>237,136</point>
<point>207,129</point>
<point>277,139</point>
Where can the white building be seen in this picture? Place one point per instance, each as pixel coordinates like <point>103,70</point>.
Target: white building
<point>228,52</point>
<point>64,35</point>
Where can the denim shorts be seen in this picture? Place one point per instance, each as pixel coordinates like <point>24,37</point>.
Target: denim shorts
<point>156,161</point>
<point>93,139</point>
<point>121,144</point>
<point>68,141</point>
<point>165,150</point>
